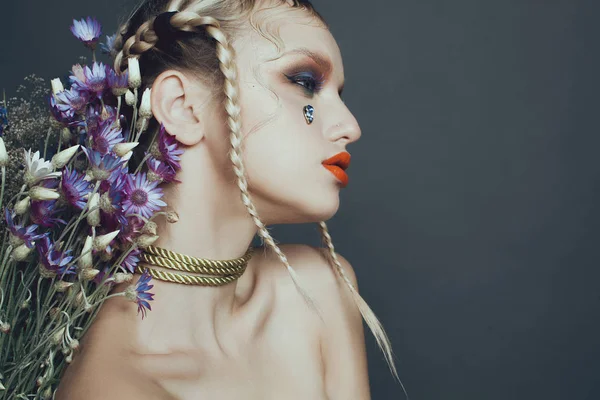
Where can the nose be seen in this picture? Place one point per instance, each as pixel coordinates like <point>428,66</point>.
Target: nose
<point>344,126</point>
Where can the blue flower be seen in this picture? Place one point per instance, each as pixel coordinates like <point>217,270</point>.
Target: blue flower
<point>74,188</point>
<point>139,294</point>
<point>27,235</point>
<point>107,46</point>
<point>142,196</point>
<point>92,81</point>
<point>105,136</point>
<point>87,30</point>
<point>53,259</point>
<point>104,167</point>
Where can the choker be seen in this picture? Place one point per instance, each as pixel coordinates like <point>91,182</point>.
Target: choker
<point>214,272</point>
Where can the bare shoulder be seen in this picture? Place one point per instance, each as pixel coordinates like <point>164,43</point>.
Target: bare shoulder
<point>342,338</point>
<point>97,373</point>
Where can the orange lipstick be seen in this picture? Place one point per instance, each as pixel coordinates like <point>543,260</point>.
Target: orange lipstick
<point>337,165</point>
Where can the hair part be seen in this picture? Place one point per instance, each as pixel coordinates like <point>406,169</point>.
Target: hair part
<point>203,48</point>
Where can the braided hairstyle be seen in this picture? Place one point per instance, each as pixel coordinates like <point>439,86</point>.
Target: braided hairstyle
<point>202,48</point>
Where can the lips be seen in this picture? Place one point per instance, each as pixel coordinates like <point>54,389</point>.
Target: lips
<point>337,166</point>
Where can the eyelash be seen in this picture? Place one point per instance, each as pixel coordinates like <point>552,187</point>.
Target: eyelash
<point>311,84</point>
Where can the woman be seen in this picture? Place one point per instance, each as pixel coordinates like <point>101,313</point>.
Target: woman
<point>251,90</point>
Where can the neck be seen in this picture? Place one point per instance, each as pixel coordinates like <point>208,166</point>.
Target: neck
<point>213,224</point>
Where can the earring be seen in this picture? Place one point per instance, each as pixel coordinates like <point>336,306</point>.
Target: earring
<point>308,113</point>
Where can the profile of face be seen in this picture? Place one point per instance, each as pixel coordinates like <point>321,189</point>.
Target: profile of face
<point>282,153</point>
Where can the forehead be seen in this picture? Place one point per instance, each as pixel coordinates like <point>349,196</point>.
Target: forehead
<point>296,32</point>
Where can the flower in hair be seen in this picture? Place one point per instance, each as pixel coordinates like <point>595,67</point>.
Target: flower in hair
<point>108,45</point>
<point>37,169</point>
<point>139,293</point>
<point>167,149</point>
<point>142,196</point>
<point>87,30</point>
<point>74,188</point>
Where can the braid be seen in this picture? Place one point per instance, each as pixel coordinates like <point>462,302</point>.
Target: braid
<point>225,54</point>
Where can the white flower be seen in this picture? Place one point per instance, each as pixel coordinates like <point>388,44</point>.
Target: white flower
<point>3,154</point>
<point>86,259</point>
<point>37,168</point>
<point>57,86</point>
<point>133,68</point>
<point>145,107</point>
<point>23,206</point>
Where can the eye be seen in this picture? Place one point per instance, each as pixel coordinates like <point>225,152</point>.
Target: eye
<point>308,81</point>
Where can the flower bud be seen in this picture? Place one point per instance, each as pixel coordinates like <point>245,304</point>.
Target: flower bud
<point>93,218</point>
<point>4,159</point>
<point>144,241</point>
<point>150,227</point>
<point>102,241</point>
<point>42,193</point>
<point>22,206</point>
<point>121,277</point>
<point>89,273</point>
<point>129,98</point>
<point>145,106</point>
<point>121,149</point>
<point>25,305</point>
<point>62,286</point>
<point>133,69</point>
<point>66,135</point>
<point>61,159</point>
<point>58,336</point>
<point>85,261</point>
<point>47,394</point>
<point>21,252</point>
<point>39,381</point>
<point>14,241</point>
<point>69,359</point>
<point>4,327</point>
<point>57,86</point>
<point>45,272</point>
<point>172,216</point>
<point>74,344</point>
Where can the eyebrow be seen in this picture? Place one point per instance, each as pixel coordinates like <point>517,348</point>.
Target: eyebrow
<point>321,60</point>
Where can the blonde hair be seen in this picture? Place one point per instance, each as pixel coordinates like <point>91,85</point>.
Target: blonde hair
<point>203,24</point>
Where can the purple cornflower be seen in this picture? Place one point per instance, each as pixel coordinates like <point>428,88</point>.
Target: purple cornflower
<point>160,171</point>
<point>104,167</point>
<point>132,259</point>
<point>142,196</point>
<point>74,188</point>
<point>105,136</point>
<point>62,113</point>
<point>139,294</point>
<point>87,30</point>
<point>107,46</point>
<point>167,149</point>
<point>131,229</point>
<point>42,213</point>
<point>53,259</point>
<point>27,235</point>
<point>72,101</point>
<point>111,201</point>
<point>93,80</point>
<point>119,83</point>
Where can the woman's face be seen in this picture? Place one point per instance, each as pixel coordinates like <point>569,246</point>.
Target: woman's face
<point>283,154</point>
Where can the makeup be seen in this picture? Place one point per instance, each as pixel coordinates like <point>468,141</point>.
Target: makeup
<point>337,166</point>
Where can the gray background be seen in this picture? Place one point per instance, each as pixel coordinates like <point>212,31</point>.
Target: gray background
<point>471,216</point>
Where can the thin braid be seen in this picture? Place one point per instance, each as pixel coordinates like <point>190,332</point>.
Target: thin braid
<point>366,311</point>
<point>225,54</point>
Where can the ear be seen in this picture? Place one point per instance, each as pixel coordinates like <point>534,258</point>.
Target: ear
<point>177,102</point>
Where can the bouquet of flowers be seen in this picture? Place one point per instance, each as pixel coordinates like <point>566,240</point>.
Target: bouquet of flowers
<point>76,212</point>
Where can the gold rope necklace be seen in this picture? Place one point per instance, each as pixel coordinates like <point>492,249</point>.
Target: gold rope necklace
<point>220,272</point>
